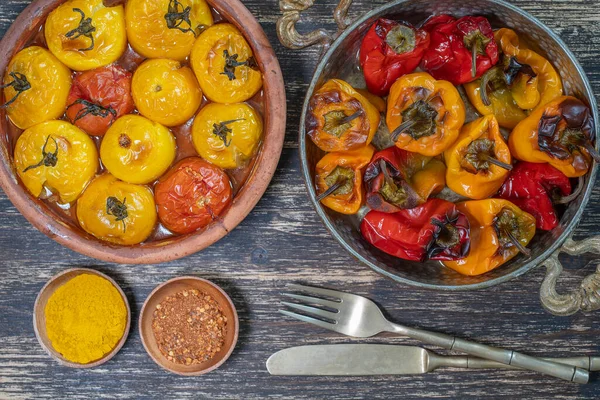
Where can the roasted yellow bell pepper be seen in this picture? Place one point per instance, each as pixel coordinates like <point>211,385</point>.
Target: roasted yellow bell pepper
<point>499,231</point>
<point>561,133</point>
<point>84,34</point>
<point>36,87</point>
<point>339,179</point>
<point>520,83</point>
<point>340,118</point>
<point>137,150</point>
<point>166,92</point>
<point>58,157</point>
<point>479,161</point>
<point>116,211</point>
<point>227,135</point>
<point>424,115</point>
<point>166,28</point>
<point>225,65</point>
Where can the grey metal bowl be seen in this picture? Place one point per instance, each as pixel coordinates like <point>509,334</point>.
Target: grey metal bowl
<point>340,61</point>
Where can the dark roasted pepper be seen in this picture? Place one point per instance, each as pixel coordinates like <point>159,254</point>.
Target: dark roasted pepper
<point>560,133</point>
<point>460,50</point>
<point>479,161</point>
<point>499,231</point>
<point>339,118</point>
<point>424,115</point>
<point>521,82</point>
<point>397,179</point>
<point>535,188</point>
<point>389,50</point>
<point>339,179</point>
<point>435,230</point>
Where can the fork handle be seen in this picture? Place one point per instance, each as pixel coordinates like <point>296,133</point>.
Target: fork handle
<point>508,357</point>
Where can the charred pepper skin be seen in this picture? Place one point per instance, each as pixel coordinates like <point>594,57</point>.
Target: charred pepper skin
<point>435,230</point>
<point>344,170</point>
<point>522,82</point>
<point>562,133</point>
<point>491,221</point>
<point>424,115</point>
<point>397,179</point>
<point>460,50</point>
<point>534,188</point>
<point>475,160</point>
<point>389,50</point>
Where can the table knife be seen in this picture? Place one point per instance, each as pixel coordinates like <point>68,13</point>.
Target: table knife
<point>377,359</point>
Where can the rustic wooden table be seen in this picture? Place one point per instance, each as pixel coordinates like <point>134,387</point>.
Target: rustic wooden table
<point>283,241</point>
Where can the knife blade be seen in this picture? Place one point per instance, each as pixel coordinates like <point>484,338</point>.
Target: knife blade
<point>377,359</point>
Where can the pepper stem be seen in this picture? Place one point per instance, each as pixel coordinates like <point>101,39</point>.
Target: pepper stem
<point>341,181</point>
<point>404,126</point>
<point>592,150</point>
<point>474,62</point>
<point>483,88</point>
<point>386,173</point>
<point>350,118</point>
<point>496,162</point>
<point>558,199</point>
<point>516,243</point>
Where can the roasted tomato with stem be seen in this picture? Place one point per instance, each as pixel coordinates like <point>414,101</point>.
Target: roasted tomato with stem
<point>36,86</point>
<point>562,133</point>
<point>389,50</point>
<point>55,158</point>
<point>192,195</point>
<point>340,118</point>
<point>397,179</point>
<point>499,231</point>
<point>166,28</point>
<point>227,135</point>
<point>424,115</point>
<point>225,66</point>
<point>479,161</point>
<point>137,150</point>
<point>435,230</point>
<point>84,34</point>
<point>166,91</point>
<point>339,179</point>
<point>98,98</point>
<point>116,211</point>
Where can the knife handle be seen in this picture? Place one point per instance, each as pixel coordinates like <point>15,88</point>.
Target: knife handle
<point>438,361</point>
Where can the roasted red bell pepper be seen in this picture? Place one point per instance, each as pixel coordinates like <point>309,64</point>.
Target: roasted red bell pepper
<point>435,230</point>
<point>389,50</point>
<point>460,50</point>
<point>397,179</point>
<point>535,188</point>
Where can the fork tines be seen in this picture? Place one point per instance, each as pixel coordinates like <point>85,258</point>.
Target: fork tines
<point>316,309</point>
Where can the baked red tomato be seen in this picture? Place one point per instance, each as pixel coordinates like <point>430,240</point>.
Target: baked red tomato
<point>192,195</point>
<point>98,98</point>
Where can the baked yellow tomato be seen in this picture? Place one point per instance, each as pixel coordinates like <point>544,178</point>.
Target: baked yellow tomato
<point>166,92</point>
<point>36,87</point>
<point>225,65</point>
<point>166,28</point>
<point>57,156</point>
<point>137,150</point>
<point>84,34</point>
<point>227,134</point>
<point>117,211</point>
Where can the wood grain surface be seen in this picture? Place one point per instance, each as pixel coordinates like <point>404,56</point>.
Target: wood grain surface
<point>283,241</point>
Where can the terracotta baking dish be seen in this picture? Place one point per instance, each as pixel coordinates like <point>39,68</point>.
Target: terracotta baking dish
<point>59,228</point>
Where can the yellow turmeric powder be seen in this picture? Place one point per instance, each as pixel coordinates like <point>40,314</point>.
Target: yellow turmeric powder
<point>85,318</point>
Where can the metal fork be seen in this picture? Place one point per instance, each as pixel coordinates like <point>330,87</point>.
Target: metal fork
<point>358,316</point>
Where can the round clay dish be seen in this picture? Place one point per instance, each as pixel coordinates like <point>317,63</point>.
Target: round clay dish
<point>177,285</point>
<point>27,25</point>
<point>39,318</point>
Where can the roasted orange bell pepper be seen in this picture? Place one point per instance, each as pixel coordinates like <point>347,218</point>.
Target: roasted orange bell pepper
<point>499,231</point>
<point>397,179</point>
<point>479,161</point>
<point>424,115</point>
<point>340,119</point>
<point>521,82</point>
<point>561,133</point>
<point>339,179</point>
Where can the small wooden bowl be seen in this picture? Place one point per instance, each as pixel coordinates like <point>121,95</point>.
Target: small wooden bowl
<point>39,317</point>
<point>172,287</point>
